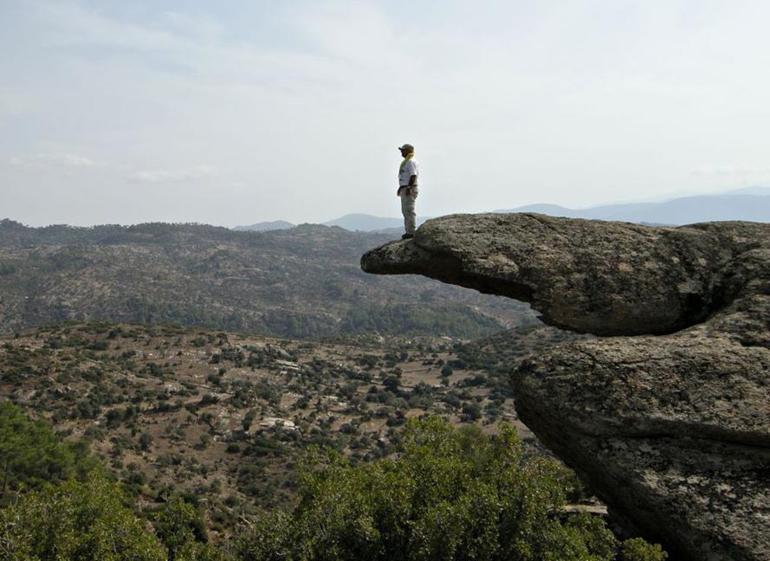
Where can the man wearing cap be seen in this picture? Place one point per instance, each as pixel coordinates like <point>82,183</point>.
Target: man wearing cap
<point>407,188</point>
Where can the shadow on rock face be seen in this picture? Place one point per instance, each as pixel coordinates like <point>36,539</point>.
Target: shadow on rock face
<point>668,419</point>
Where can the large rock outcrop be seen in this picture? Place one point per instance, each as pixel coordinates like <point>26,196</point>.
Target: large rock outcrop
<point>668,415</point>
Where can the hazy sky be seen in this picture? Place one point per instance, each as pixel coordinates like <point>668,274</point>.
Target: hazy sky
<point>235,112</point>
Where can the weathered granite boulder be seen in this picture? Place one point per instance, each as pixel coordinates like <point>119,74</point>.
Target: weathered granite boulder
<point>668,415</point>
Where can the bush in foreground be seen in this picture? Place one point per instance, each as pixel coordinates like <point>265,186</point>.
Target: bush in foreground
<point>453,494</point>
<point>78,521</point>
<point>31,454</point>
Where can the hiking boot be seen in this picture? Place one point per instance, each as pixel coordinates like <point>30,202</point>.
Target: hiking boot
<point>407,236</point>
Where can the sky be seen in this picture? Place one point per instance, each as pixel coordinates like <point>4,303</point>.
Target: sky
<point>237,112</point>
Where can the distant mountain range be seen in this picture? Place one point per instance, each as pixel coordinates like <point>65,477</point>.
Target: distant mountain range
<point>350,222</point>
<point>752,203</point>
<point>266,226</point>
<point>368,223</point>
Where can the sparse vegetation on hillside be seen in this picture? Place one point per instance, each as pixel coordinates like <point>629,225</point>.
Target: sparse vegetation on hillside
<point>299,283</point>
<point>224,416</point>
<point>498,355</point>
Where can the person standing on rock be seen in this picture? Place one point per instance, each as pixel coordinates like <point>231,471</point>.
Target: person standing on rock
<point>407,188</point>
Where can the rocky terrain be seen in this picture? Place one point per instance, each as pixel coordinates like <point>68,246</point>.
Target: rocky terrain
<point>299,283</point>
<point>667,414</point>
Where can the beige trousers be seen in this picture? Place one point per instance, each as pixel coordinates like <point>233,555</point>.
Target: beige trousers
<point>408,197</point>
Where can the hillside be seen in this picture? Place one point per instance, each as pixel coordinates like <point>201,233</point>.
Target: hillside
<point>225,416</point>
<point>302,282</point>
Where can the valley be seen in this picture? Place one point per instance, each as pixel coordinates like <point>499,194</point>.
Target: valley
<point>224,417</point>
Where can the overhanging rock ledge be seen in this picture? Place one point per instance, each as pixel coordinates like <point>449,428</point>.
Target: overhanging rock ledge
<point>667,415</point>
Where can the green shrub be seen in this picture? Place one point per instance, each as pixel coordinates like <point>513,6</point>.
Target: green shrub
<point>268,539</point>
<point>637,549</point>
<point>471,412</point>
<point>74,520</point>
<point>31,454</point>
<point>178,524</point>
<point>452,494</point>
<point>145,441</point>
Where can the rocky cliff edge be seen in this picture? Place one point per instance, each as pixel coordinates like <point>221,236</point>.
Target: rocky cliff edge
<point>667,415</point>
